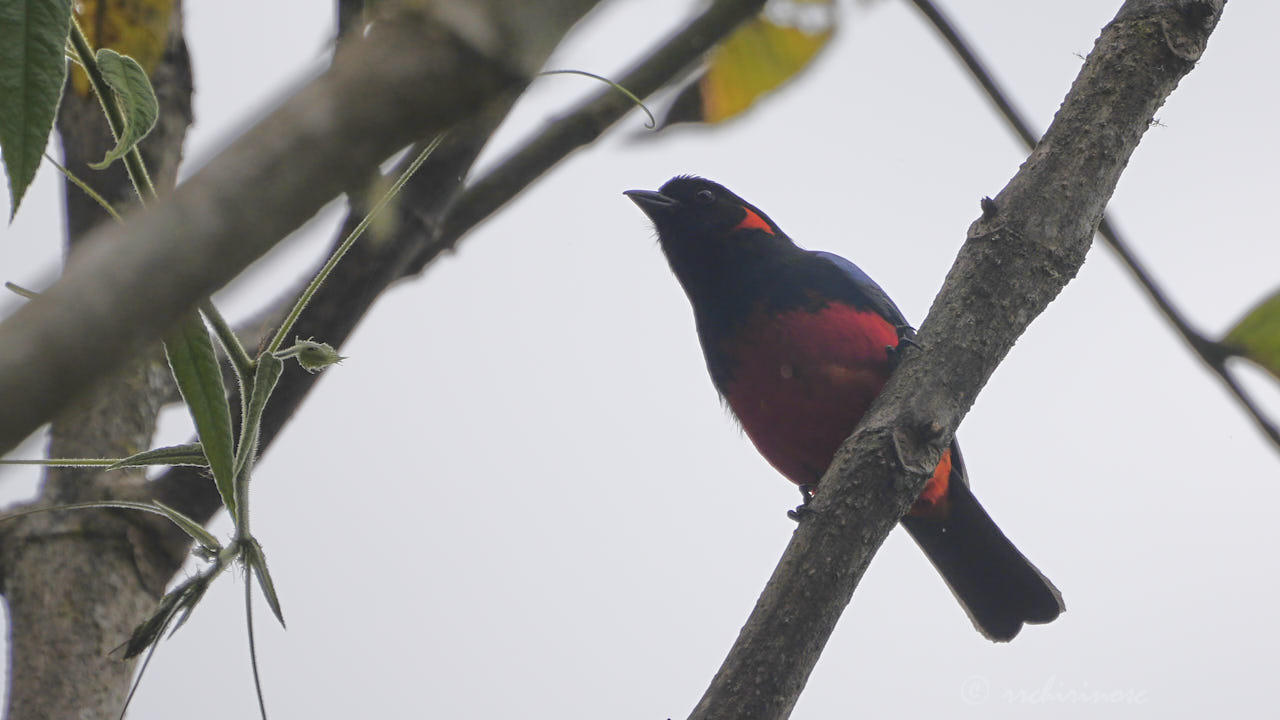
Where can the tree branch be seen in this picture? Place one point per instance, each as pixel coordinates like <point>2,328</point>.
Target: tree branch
<point>413,76</point>
<point>76,583</point>
<point>1212,353</point>
<point>371,267</point>
<point>350,15</point>
<point>584,124</point>
<point>1015,261</point>
<point>419,237</point>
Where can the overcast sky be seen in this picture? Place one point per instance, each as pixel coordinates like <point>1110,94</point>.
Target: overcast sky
<point>520,496</point>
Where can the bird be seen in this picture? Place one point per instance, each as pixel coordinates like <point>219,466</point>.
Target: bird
<point>798,344</point>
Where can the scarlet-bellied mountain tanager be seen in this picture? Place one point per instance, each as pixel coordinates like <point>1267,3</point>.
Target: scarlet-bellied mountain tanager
<point>799,343</point>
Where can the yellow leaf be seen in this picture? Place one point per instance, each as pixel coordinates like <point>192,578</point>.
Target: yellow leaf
<point>137,28</point>
<point>762,54</point>
<point>1257,335</point>
<point>757,58</point>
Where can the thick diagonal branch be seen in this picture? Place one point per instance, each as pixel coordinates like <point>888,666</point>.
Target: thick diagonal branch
<point>1016,260</point>
<point>410,78</point>
<point>1212,353</point>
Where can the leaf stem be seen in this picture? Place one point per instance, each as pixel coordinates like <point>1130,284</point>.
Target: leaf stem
<point>347,242</point>
<point>253,646</point>
<point>261,385</point>
<point>93,194</point>
<point>240,359</point>
<point>582,125</point>
<point>145,190</point>
<point>115,118</point>
<point>653,122</point>
<point>94,505</point>
<point>65,462</point>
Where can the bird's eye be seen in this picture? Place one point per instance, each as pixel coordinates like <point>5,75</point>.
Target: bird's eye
<point>704,197</point>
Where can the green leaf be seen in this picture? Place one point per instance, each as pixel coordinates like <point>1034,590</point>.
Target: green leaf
<point>176,604</point>
<point>1257,335</point>
<point>194,596</point>
<point>191,527</point>
<point>189,454</point>
<point>137,102</point>
<point>264,382</point>
<point>32,69</point>
<point>147,632</point>
<point>150,630</point>
<point>195,368</point>
<point>258,564</point>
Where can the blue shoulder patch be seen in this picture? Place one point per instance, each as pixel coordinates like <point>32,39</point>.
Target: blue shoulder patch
<point>874,294</point>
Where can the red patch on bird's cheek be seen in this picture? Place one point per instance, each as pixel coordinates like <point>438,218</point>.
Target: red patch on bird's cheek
<point>753,221</point>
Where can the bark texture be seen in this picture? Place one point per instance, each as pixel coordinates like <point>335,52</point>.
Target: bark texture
<point>76,583</point>
<point>407,79</point>
<point>1017,258</point>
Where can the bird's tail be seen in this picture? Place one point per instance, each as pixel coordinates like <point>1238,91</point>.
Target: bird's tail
<point>998,587</point>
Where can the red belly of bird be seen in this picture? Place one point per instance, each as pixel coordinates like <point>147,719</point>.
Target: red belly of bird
<point>803,381</point>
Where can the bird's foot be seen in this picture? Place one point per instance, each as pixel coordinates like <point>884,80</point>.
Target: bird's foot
<point>905,340</point>
<point>806,491</point>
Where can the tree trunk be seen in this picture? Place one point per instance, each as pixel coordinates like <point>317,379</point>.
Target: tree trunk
<point>78,582</point>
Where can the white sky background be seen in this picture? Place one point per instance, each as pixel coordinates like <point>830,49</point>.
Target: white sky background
<point>520,497</point>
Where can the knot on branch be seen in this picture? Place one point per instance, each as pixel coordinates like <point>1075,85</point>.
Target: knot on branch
<point>992,225</point>
<point>989,209</point>
<point>1186,31</point>
<point>917,448</point>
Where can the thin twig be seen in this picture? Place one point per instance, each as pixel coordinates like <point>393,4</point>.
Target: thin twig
<point>653,122</point>
<point>1214,354</point>
<point>585,123</point>
<point>93,194</point>
<point>323,274</point>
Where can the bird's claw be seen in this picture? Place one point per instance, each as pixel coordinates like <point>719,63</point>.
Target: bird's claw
<point>894,357</point>
<point>906,338</point>
<point>806,491</point>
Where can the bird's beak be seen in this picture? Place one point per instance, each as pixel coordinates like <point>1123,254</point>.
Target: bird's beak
<point>654,204</point>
